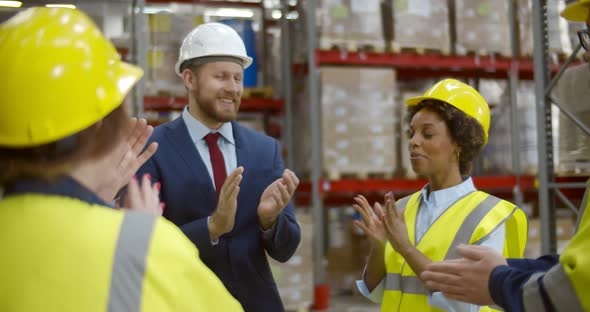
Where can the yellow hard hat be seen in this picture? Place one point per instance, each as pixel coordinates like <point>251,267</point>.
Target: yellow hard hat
<point>577,12</point>
<point>461,96</point>
<point>61,75</point>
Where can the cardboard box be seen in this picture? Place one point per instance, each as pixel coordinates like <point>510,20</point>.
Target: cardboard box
<point>161,79</point>
<point>358,120</point>
<point>294,278</point>
<point>533,249</point>
<point>573,91</point>
<point>564,232</point>
<point>564,229</point>
<point>421,24</point>
<point>252,121</point>
<point>350,21</point>
<point>557,28</point>
<point>347,253</point>
<point>496,159</point>
<point>170,29</point>
<point>483,26</point>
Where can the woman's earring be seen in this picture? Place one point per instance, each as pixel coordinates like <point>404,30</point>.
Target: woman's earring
<point>458,155</point>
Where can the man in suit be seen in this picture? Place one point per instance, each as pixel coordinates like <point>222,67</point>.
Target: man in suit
<point>198,150</point>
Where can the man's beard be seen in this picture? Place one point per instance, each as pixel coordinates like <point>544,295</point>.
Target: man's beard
<point>207,106</point>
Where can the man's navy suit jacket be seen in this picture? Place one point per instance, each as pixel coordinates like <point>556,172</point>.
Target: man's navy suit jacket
<point>239,259</point>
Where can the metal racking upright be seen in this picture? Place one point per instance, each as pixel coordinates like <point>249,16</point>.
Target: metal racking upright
<point>320,286</point>
<point>549,189</point>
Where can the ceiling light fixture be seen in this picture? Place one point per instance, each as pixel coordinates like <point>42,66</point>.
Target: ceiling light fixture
<point>60,5</point>
<point>11,4</point>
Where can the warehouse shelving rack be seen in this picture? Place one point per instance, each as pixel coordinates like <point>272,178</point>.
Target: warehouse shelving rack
<point>319,191</point>
<point>281,105</point>
<point>267,106</point>
<point>550,188</point>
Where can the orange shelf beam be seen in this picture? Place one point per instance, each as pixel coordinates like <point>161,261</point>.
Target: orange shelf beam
<point>413,65</point>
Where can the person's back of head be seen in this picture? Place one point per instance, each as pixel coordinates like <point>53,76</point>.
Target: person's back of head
<point>62,103</point>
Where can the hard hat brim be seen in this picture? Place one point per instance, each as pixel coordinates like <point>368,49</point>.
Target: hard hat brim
<point>577,12</point>
<point>128,77</point>
<point>413,101</point>
<point>246,62</point>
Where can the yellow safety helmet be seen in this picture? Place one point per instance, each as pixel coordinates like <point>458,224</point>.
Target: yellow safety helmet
<point>461,96</point>
<point>61,75</point>
<point>577,12</point>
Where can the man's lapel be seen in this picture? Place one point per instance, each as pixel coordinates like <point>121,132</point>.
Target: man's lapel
<point>185,147</point>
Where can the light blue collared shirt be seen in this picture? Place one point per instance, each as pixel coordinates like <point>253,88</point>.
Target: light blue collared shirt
<point>431,207</point>
<point>197,131</point>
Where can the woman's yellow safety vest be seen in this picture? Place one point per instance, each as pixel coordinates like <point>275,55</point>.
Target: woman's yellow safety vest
<point>63,254</point>
<point>468,221</point>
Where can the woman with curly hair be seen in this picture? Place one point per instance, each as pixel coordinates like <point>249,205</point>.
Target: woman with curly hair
<point>448,128</point>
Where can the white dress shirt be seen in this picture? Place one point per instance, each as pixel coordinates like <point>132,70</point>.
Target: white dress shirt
<point>431,207</point>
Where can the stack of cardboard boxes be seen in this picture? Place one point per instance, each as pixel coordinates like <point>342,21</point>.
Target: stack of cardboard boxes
<point>294,278</point>
<point>564,231</point>
<point>573,92</point>
<point>421,25</point>
<point>469,26</point>
<point>557,28</point>
<point>496,159</point>
<point>358,120</point>
<point>166,32</point>
<point>483,27</point>
<point>347,252</point>
<point>350,24</point>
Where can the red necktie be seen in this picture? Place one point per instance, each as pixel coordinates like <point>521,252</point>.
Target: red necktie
<point>217,161</point>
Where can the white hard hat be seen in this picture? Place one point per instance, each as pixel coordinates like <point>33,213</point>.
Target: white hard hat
<point>212,39</point>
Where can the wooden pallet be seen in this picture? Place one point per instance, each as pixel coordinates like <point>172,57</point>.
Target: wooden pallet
<point>574,173</point>
<point>357,175</point>
<point>262,92</point>
<point>352,45</point>
<point>397,48</point>
<point>484,53</point>
<point>559,56</point>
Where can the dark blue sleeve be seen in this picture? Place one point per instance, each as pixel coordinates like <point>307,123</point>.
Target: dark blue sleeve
<point>198,230</point>
<point>505,287</point>
<point>543,263</point>
<point>506,282</point>
<point>282,245</point>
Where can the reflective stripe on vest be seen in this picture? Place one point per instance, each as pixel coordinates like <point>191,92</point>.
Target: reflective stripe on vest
<point>463,236</point>
<point>401,203</point>
<point>130,261</point>
<point>395,281</point>
<point>557,286</point>
<point>575,261</point>
<point>405,284</point>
